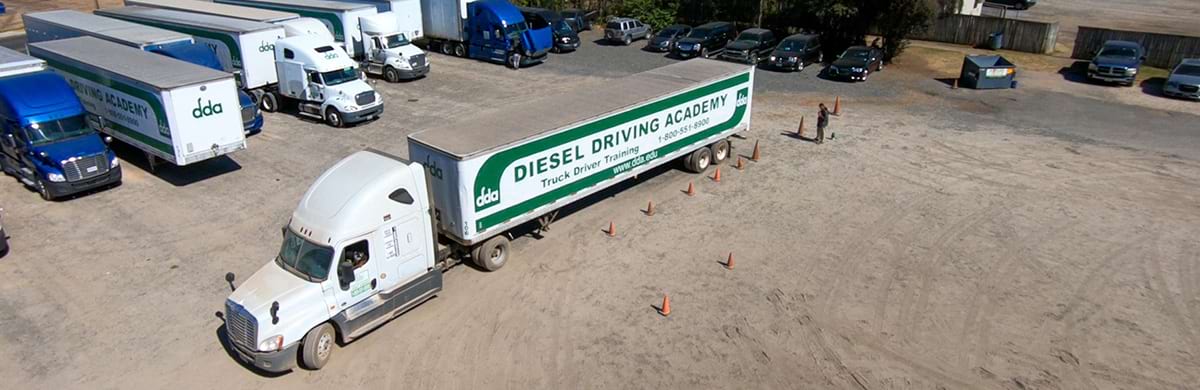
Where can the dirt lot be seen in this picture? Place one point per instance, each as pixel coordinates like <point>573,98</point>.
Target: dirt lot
<point>1161,16</point>
<point>1032,238</point>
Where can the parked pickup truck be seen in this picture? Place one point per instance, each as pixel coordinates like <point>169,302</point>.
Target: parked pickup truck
<point>1117,62</point>
<point>372,236</point>
<point>45,141</point>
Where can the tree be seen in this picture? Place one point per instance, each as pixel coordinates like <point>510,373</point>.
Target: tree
<point>899,19</point>
<point>657,14</point>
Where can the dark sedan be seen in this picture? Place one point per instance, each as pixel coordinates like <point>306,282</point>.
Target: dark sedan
<point>665,40</point>
<point>856,63</point>
<point>795,52</point>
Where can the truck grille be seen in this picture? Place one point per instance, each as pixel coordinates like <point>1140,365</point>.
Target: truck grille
<point>87,167</point>
<point>1112,70</point>
<point>364,98</point>
<point>417,61</point>
<point>1189,88</point>
<point>240,326</point>
<point>248,113</point>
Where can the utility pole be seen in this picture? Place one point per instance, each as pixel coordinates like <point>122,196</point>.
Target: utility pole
<point>761,4</point>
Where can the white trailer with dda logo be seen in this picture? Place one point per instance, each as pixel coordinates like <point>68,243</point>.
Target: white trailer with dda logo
<point>172,110</point>
<point>293,24</point>
<point>244,47</point>
<point>371,237</point>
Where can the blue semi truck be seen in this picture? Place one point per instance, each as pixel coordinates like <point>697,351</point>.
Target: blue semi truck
<point>490,30</point>
<point>45,141</point>
<point>62,24</point>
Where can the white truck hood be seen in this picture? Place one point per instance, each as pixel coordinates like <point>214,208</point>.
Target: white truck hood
<point>301,303</point>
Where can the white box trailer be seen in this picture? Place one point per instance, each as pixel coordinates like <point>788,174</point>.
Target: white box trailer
<point>516,163</point>
<point>341,18</point>
<point>14,63</point>
<point>172,110</point>
<point>406,12</point>
<point>244,47</point>
<point>61,24</point>
<point>293,24</point>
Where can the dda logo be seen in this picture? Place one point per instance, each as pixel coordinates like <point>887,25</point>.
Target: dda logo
<point>434,170</point>
<point>487,197</point>
<point>203,110</point>
<point>266,48</point>
<point>742,99</point>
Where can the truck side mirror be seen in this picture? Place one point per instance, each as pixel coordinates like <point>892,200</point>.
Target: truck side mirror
<point>345,274</point>
<point>229,279</point>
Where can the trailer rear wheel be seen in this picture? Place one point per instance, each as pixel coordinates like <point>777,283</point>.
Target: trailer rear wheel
<point>269,102</point>
<point>317,347</point>
<point>720,151</point>
<point>699,160</point>
<point>446,48</point>
<point>492,254</point>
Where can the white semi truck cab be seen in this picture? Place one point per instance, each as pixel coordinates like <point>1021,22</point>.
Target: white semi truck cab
<point>388,50</point>
<point>358,251</point>
<point>324,81</point>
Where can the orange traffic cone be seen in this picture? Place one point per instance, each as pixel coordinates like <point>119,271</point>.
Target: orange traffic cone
<point>691,189</point>
<point>740,164</point>
<point>717,176</point>
<point>612,229</point>
<point>800,130</point>
<point>837,106</point>
<point>665,310</point>
<point>650,208</point>
<point>754,156</point>
<point>729,263</point>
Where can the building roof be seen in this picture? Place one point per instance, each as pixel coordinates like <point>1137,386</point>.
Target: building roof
<point>152,69</point>
<point>533,118</point>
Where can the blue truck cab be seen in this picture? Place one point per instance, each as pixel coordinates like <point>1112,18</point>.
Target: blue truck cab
<point>199,54</point>
<point>489,30</point>
<point>45,139</point>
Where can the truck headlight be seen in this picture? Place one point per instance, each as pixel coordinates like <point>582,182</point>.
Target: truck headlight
<point>273,343</point>
<point>793,59</point>
<point>772,58</point>
<point>1132,71</point>
<point>402,64</point>
<point>114,163</point>
<point>56,177</point>
<point>1092,66</point>
<point>856,70</point>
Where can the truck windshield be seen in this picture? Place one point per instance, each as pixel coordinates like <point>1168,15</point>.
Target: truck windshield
<point>791,45</point>
<point>536,22</point>
<point>47,132</point>
<point>394,41</point>
<point>1190,70</point>
<point>563,29</point>
<point>698,33</point>
<point>749,37</point>
<point>515,30</point>
<point>1118,52</point>
<point>342,76</point>
<point>304,259</point>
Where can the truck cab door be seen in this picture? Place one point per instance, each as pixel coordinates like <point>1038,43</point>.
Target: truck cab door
<point>403,243</point>
<point>354,278</point>
<point>315,88</point>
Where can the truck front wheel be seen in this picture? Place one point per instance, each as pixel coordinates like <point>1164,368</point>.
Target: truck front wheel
<point>333,117</point>
<point>269,102</point>
<point>43,190</point>
<point>391,75</point>
<point>317,347</point>
<point>514,60</point>
<point>492,254</point>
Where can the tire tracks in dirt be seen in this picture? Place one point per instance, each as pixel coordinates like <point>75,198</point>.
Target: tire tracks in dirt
<point>990,291</point>
<point>1154,275</point>
<point>1075,315</point>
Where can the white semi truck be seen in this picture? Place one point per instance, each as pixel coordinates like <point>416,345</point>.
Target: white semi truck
<point>293,24</point>
<point>407,13</point>
<point>373,39</point>
<point>170,109</point>
<point>372,236</point>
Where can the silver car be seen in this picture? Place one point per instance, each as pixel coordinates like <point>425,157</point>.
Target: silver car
<point>625,30</point>
<point>1184,81</point>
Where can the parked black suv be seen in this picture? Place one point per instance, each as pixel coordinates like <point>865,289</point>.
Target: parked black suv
<point>665,40</point>
<point>796,51</point>
<point>565,38</point>
<point>750,47</point>
<point>577,19</point>
<point>705,40</point>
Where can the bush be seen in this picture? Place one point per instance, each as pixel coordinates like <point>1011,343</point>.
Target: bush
<point>654,13</point>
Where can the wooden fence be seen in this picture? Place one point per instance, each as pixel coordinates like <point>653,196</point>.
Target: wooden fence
<point>1019,35</point>
<point>1162,50</point>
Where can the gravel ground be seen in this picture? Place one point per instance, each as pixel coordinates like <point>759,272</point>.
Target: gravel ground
<point>952,239</point>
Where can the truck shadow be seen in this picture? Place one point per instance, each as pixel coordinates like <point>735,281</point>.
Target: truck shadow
<point>1077,72</point>
<point>1154,86</point>
<point>177,176</point>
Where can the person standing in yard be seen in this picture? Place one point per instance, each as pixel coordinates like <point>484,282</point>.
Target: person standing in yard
<point>822,121</point>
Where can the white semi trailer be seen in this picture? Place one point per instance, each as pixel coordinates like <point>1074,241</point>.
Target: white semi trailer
<point>373,39</point>
<point>172,110</point>
<point>293,24</point>
<point>243,47</point>
<point>372,236</point>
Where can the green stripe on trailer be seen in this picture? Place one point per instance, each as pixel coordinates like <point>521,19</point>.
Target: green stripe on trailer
<point>489,176</point>
<point>151,100</point>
